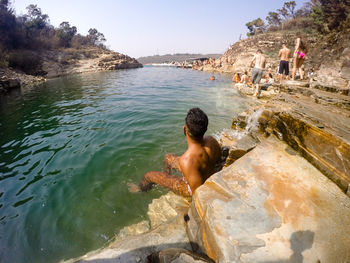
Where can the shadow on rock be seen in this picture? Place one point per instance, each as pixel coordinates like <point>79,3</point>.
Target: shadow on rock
<point>299,242</point>
<point>167,254</point>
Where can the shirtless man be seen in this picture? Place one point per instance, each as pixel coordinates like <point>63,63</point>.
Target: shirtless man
<point>284,55</point>
<point>197,164</point>
<point>260,61</point>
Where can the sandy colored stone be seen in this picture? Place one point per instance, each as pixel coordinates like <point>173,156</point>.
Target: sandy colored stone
<point>135,244</point>
<point>271,206</point>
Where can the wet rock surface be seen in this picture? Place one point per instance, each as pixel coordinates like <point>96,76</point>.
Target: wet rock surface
<point>271,206</point>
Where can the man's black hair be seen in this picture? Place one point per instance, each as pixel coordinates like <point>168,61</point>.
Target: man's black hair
<point>196,122</point>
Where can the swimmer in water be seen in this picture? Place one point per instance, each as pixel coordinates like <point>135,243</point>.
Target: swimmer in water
<point>197,164</point>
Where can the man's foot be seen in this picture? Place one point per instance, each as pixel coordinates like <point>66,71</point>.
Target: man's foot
<point>133,188</point>
<point>145,185</point>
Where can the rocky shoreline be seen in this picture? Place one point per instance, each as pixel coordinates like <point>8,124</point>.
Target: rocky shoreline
<point>283,196</point>
<point>330,65</point>
<point>66,62</point>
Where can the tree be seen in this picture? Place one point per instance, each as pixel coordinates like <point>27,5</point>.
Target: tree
<point>35,18</point>
<point>7,24</point>
<point>283,12</point>
<point>273,19</point>
<point>255,27</point>
<point>95,38</point>
<point>65,34</point>
<point>330,14</point>
<point>290,6</point>
<point>305,10</point>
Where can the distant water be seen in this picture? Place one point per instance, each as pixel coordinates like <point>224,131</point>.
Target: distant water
<point>69,147</point>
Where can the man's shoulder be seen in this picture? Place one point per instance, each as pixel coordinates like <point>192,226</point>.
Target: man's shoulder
<point>211,142</point>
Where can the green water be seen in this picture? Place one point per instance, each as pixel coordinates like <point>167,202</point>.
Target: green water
<point>69,147</point>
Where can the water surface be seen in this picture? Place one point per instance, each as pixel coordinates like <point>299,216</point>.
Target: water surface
<point>69,147</point>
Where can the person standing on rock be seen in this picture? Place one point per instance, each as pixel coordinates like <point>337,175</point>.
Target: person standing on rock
<point>197,164</point>
<point>284,55</point>
<point>259,62</point>
<point>299,56</point>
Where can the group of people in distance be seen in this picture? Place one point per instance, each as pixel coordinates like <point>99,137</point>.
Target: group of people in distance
<point>259,63</point>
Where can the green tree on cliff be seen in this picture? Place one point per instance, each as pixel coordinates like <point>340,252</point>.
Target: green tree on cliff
<point>35,21</point>
<point>7,24</point>
<point>274,19</point>
<point>96,38</point>
<point>330,15</point>
<point>65,34</point>
<point>290,7</point>
<point>255,27</point>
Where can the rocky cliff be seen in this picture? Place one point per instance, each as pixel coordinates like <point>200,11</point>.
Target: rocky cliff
<point>72,61</point>
<point>62,62</point>
<point>329,56</point>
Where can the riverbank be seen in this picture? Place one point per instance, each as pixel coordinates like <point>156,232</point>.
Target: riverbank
<point>284,194</point>
<point>62,62</point>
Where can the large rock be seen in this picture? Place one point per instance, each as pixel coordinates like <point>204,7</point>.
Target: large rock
<point>7,84</point>
<point>239,148</point>
<point>271,206</point>
<point>137,243</point>
<point>324,140</point>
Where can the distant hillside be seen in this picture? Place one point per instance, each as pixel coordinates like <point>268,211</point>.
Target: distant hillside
<point>174,57</point>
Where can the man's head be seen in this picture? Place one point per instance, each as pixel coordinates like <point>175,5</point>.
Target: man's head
<point>196,123</point>
<point>259,51</point>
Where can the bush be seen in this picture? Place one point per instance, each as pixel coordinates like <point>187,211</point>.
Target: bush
<point>27,61</point>
<point>299,23</point>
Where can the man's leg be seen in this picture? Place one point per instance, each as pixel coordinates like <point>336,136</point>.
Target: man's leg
<point>171,182</point>
<point>257,90</point>
<point>294,71</point>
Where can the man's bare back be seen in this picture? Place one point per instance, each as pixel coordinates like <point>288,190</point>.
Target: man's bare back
<point>200,161</point>
<point>197,164</point>
<point>259,61</point>
<point>284,53</point>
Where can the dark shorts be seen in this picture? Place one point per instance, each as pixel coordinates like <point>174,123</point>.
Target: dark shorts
<point>256,75</point>
<point>284,67</point>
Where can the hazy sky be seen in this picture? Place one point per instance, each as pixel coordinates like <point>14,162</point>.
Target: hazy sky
<point>147,27</point>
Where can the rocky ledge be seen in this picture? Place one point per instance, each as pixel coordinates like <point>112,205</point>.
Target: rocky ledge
<point>73,61</point>
<point>10,79</point>
<point>51,64</point>
<point>283,195</point>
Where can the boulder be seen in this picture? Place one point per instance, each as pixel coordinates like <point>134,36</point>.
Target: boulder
<point>137,243</point>
<point>270,206</point>
<point>239,148</point>
<point>326,147</point>
<point>7,84</point>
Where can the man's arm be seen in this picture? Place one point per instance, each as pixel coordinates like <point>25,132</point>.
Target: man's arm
<point>280,53</point>
<point>252,61</point>
<point>171,162</point>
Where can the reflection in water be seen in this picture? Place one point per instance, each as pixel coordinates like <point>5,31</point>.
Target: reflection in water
<point>69,147</point>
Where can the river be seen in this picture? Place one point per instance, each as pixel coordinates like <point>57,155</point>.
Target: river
<point>69,147</point>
